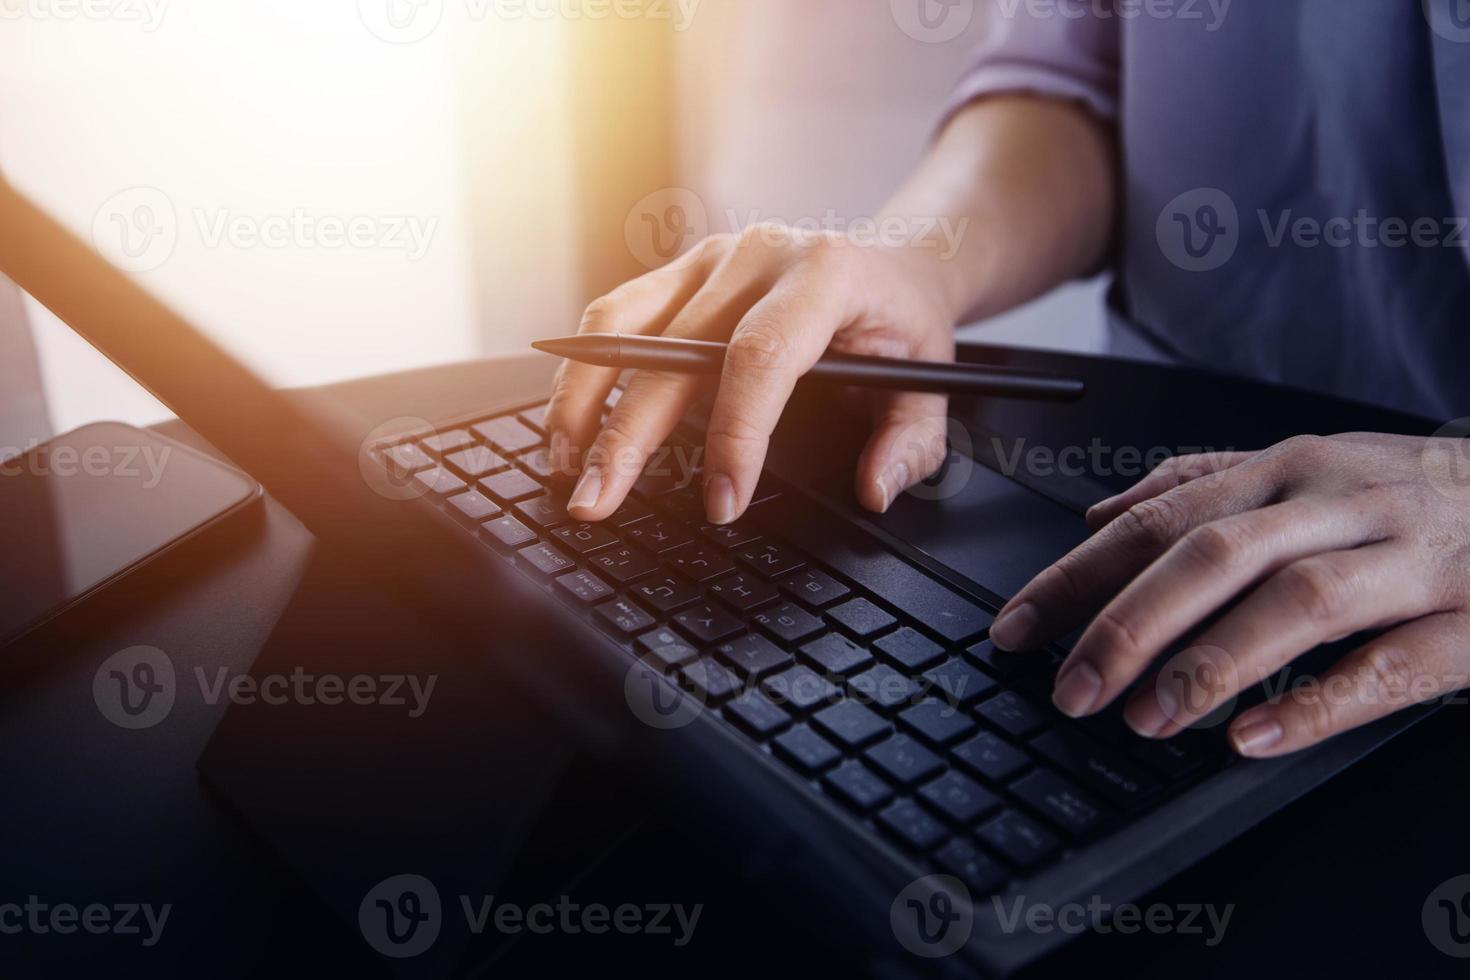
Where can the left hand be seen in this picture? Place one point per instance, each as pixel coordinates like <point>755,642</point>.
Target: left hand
<point>1317,538</point>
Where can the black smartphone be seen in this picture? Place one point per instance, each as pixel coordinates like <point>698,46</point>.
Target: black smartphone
<point>89,506</point>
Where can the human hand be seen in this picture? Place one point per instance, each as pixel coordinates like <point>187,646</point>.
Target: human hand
<point>1318,538</point>
<point>781,298</point>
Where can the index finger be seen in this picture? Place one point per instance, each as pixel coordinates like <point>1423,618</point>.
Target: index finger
<point>778,341</point>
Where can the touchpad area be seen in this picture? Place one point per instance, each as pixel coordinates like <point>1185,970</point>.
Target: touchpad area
<point>988,528</point>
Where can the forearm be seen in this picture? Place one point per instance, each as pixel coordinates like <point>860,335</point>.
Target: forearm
<point>1028,187</point>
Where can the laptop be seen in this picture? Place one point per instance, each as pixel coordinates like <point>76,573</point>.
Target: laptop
<point>815,682</point>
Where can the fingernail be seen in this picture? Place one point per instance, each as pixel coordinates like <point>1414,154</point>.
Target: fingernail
<point>1077,690</point>
<point>1149,713</point>
<point>719,499</point>
<point>894,484</point>
<point>1254,739</point>
<point>1012,629</point>
<point>589,489</point>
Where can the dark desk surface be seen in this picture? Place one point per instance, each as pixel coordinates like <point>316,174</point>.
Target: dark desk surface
<point>96,814</point>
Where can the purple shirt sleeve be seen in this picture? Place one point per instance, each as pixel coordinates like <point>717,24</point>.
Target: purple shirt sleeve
<point>1073,57</point>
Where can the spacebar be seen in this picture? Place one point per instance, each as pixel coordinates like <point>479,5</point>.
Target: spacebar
<point>858,556</point>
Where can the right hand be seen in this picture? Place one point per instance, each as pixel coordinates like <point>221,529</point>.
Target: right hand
<point>780,298</point>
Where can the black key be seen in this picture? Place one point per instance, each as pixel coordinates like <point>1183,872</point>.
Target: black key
<point>583,587</point>
<point>981,873</point>
<point>1106,771</point>
<point>753,656</point>
<point>857,786</point>
<point>958,798</point>
<point>658,536</point>
<point>439,481</point>
<point>1006,664</point>
<point>631,512</point>
<point>622,616</point>
<point>407,458</point>
<point>990,756</point>
<point>957,682</point>
<point>700,563</point>
<point>756,715</point>
<point>787,622</point>
<point>1059,801</point>
<point>538,463</point>
<point>545,559</point>
<point>936,721</point>
<point>907,821</point>
<point>651,485</point>
<point>665,649</point>
<point>801,688</point>
<point>814,587</point>
<point>685,505</point>
<point>859,557</point>
<point>473,508</point>
<point>477,461</point>
<point>729,535</point>
<point>836,654</point>
<point>535,417</point>
<point>904,760</point>
<point>510,486</point>
<point>1013,714</point>
<point>622,565</point>
<point>507,533</point>
<point>507,435</point>
<point>448,442</point>
<point>861,618</point>
<point>909,649</point>
<point>1175,757</point>
<point>547,511</point>
<point>850,724</point>
<point>806,750</point>
<point>712,682</point>
<point>585,538</point>
<point>883,687</point>
<point>1019,839</point>
<point>744,591</point>
<point>707,624</point>
<point>770,559</point>
<point>666,593</point>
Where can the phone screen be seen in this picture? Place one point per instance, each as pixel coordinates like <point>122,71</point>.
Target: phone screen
<point>81,509</point>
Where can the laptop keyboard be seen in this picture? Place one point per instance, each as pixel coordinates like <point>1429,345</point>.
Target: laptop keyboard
<point>859,672</point>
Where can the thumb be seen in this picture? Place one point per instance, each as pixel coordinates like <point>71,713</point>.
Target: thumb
<point>908,444</point>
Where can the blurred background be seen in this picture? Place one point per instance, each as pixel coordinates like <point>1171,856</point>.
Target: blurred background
<point>363,186</point>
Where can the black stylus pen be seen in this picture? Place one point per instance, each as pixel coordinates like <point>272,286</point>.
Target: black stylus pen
<point>708,357</point>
